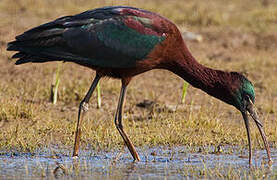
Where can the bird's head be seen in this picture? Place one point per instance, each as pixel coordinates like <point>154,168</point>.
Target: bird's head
<point>244,93</point>
<point>244,99</point>
<point>243,96</point>
<point>234,89</point>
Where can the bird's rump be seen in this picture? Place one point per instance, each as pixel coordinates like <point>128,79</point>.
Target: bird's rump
<point>102,38</point>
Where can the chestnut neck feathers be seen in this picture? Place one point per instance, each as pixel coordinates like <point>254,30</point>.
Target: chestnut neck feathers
<point>226,86</point>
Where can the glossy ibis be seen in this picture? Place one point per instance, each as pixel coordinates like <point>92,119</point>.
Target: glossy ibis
<point>122,42</point>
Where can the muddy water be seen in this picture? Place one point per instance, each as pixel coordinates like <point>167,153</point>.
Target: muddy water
<point>156,163</point>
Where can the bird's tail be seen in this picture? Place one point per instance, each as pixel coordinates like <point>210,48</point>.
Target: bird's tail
<point>41,44</point>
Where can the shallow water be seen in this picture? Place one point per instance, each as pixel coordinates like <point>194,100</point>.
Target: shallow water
<point>156,163</point>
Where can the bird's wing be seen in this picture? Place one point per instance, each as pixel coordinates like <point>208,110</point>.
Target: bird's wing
<point>107,37</point>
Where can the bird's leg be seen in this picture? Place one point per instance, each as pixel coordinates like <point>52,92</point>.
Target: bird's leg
<point>82,111</point>
<point>118,124</point>
<point>246,121</point>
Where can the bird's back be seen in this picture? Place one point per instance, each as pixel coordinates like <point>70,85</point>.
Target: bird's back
<point>109,37</point>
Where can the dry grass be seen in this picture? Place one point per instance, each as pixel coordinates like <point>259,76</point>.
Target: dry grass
<point>238,36</point>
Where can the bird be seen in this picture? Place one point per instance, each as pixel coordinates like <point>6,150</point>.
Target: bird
<point>122,42</point>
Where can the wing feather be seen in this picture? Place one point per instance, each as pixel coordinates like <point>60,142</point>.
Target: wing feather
<point>100,37</point>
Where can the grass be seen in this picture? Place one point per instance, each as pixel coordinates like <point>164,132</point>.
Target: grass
<point>55,85</point>
<point>222,172</point>
<point>238,36</point>
<point>184,93</point>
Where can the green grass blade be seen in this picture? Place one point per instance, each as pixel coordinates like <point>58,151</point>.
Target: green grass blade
<point>56,91</point>
<point>98,95</point>
<point>56,85</point>
<point>185,87</point>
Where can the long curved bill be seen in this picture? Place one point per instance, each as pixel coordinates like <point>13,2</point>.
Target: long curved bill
<point>251,109</point>
<point>246,121</point>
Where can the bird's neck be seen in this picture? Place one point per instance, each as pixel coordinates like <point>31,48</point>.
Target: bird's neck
<point>214,82</point>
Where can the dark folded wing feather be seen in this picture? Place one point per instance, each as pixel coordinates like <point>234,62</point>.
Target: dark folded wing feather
<point>95,38</point>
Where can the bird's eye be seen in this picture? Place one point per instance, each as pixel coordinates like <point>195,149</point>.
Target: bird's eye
<point>247,97</point>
